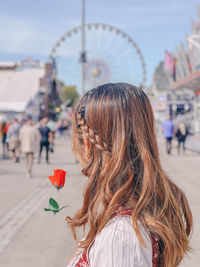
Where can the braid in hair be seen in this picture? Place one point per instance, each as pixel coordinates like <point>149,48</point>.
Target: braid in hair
<point>90,134</point>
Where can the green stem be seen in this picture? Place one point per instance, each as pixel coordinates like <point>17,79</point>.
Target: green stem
<point>63,208</point>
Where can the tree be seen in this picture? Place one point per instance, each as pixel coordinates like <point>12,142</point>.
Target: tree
<point>69,93</point>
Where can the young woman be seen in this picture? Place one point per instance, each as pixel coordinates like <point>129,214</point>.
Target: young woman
<point>136,216</point>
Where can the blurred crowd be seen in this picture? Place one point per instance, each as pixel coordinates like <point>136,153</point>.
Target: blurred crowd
<point>29,138</point>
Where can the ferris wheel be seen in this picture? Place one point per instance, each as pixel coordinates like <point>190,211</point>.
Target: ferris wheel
<point>111,56</point>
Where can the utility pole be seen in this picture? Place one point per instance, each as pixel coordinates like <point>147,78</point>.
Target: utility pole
<point>83,52</point>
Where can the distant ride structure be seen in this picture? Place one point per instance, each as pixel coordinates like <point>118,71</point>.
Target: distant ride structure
<point>110,55</point>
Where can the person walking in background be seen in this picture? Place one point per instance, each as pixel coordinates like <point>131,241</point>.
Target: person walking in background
<point>13,139</point>
<point>168,131</point>
<point>44,142</point>
<point>181,135</point>
<point>4,130</point>
<point>29,138</point>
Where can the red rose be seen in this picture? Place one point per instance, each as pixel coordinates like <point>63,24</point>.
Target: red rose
<point>58,179</point>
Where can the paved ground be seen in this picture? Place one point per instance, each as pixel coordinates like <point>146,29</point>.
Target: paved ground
<point>185,171</point>
<point>193,143</point>
<point>29,237</point>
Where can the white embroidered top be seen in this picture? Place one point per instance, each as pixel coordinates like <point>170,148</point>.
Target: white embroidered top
<point>117,246</point>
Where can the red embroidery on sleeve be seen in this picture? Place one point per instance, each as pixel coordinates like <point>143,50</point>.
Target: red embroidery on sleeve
<point>83,261</point>
<point>155,248</point>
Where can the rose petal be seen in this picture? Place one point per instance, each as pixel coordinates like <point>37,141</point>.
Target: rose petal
<point>52,179</point>
<point>63,183</point>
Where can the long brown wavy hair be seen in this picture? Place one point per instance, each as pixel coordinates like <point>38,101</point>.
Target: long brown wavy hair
<point>124,170</point>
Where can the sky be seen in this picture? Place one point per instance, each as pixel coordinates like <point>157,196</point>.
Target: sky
<point>31,28</point>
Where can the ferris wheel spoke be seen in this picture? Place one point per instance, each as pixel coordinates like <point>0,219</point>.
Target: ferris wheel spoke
<point>116,68</point>
<point>109,42</point>
<point>101,43</point>
<point>124,55</point>
<point>105,58</point>
<point>119,64</point>
<point>126,70</point>
<point>129,64</point>
<point>104,50</point>
<point>116,48</point>
<point>111,64</point>
<point>68,49</point>
<point>91,54</point>
<point>90,57</point>
<point>91,46</point>
<point>99,40</point>
<point>110,60</point>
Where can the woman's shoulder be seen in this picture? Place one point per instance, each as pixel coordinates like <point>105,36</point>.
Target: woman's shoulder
<point>118,242</point>
<point>122,226</point>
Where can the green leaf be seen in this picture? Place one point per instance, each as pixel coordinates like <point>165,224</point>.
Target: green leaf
<point>55,210</point>
<point>47,209</point>
<point>53,204</point>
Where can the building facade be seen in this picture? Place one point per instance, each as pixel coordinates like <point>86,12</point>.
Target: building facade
<point>178,78</point>
<point>28,87</point>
